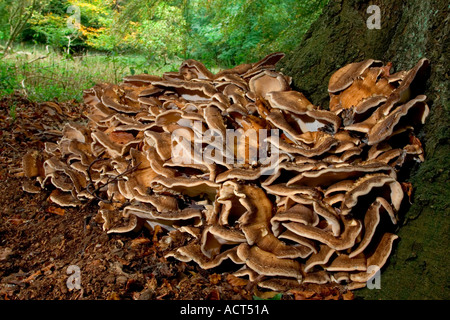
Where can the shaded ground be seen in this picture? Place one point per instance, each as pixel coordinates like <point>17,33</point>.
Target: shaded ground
<point>39,240</point>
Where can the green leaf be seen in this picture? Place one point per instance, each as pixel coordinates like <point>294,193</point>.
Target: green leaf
<point>278,296</point>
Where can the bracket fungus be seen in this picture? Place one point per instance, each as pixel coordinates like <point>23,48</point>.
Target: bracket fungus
<point>246,169</point>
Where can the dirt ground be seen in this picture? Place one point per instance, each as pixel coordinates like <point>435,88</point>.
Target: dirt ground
<point>40,242</point>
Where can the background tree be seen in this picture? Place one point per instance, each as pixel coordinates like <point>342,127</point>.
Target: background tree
<point>409,31</point>
<point>220,33</point>
<point>18,13</point>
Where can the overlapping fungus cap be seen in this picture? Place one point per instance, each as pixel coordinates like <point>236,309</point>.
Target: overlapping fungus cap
<point>323,210</point>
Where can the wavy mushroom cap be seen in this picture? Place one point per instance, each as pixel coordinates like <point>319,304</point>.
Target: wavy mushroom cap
<point>310,209</point>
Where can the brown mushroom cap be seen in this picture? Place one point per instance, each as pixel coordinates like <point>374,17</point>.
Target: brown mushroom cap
<point>292,101</point>
<point>272,244</point>
<point>64,199</point>
<point>192,69</point>
<point>319,258</point>
<point>332,174</point>
<point>193,252</point>
<point>344,263</point>
<point>214,237</point>
<point>141,79</point>
<point>366,184</point>
<point>371,220</point>
<point>344,77</point>
<point>317,277</point>
<point>31,164</point>
<point>377,259</point>
<point>191,91</point>
<point>268,81</point>
<point>269,60</point>
<point>267,263</point>
<point>383,129</point>
<point>297,213</point>
<point>345,241</point>
<point>156,151</point>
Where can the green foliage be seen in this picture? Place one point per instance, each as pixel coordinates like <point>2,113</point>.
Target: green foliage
<point>15,16</point>
<point>50,25</point>
<point>61,76</point>
<point>140,36</point>
<point>48,29</point>
<point>3,18</point>
<point>7,80</point>
<point>278,296</point>
<point>234,32</point>
<point>13,112</point>
<point>219,32</point>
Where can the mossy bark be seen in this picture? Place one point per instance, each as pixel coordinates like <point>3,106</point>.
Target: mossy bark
<point>410,30</point>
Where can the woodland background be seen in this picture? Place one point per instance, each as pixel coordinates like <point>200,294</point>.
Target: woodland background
<point>45,57</point>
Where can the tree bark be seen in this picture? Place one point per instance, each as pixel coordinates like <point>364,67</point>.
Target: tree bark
<point>410,30</point>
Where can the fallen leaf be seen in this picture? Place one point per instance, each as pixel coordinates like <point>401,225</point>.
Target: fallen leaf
<point>333,296</point>
<point>17,222</point>
<point>408,189</point>
<point>415,141</point>
<point>114,296</point>
<point>303,295</point>
<point>348,295</point>
<point>54,106</point>
<point>235,281</point>
<point>215,278</point>
<point>156,230</point>
<point>213,295</point>
<point>48,267</point>
<point>55,210</point>
<point>139,241</point>
<point>152,283</point>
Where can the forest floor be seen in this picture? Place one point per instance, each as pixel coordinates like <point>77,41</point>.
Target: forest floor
<point>39,241</point>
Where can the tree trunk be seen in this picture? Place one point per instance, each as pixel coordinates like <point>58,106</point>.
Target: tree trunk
<point>410,30</point>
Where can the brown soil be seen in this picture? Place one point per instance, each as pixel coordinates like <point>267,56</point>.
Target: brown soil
<point>39,240</point>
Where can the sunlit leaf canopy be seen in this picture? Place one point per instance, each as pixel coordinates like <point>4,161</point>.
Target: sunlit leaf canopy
<point>221,33</point>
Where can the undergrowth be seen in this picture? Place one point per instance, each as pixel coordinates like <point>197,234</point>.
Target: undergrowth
<point>46,75</point>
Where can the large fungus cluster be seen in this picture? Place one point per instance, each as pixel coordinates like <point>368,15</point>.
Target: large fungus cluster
<point>321,207</point>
